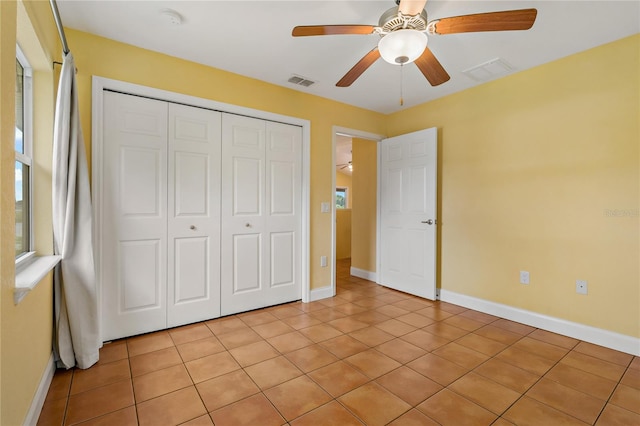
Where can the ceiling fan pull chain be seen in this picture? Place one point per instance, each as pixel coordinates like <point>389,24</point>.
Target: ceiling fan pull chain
<point>401,85</point>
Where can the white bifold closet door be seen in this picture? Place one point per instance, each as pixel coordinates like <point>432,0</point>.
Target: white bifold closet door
<point>160,214</point>
<point>261,217</point>
<point>193,284</point>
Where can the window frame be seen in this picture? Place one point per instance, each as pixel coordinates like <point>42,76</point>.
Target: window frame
<point>26,158</point>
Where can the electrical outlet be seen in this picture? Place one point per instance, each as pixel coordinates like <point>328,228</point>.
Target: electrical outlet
<point>323,261</point>
<point>581,286</point>
<point>524,277</point>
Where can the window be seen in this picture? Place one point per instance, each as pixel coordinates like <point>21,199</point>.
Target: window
<point>341,198</point>
<point>23,160</point>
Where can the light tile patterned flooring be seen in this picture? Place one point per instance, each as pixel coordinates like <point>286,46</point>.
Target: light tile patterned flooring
<point>369,355</point>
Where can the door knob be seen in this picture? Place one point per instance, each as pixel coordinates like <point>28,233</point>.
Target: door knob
<point>428,221</point>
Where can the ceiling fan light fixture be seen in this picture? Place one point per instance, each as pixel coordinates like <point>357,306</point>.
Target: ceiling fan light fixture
<point>402,46</point>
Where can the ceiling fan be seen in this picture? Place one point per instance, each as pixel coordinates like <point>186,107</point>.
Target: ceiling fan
<point>345,165</point>
<point>403,36</point>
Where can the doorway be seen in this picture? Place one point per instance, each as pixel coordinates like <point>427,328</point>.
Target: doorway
<point>355,204</point>
<point>370,232</point>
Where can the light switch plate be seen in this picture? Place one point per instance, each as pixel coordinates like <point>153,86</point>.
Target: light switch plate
<point>325,207</point>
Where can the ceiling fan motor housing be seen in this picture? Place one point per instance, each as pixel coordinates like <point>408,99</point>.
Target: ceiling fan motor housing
<point>393,20</point>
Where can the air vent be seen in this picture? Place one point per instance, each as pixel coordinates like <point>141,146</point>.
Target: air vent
<point>300,81</point>
<point>489,70</point>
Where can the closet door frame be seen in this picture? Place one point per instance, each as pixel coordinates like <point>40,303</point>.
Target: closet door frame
<point>101,84</point>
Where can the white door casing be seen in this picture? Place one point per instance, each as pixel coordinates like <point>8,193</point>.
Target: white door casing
<point>193,252</point>
<point>408,213</point>
<point>134,250</point>
<point>261,169</point>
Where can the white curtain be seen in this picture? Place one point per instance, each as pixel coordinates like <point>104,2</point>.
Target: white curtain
<point>76,334</point>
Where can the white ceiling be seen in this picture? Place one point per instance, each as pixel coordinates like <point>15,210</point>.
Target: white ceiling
<point>253,38</point>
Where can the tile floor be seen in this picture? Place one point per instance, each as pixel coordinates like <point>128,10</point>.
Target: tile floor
<point>370,356</point>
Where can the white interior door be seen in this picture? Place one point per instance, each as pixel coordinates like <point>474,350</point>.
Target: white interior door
<point>134,215</point>
<point>408,213</point>
<point>261,213</point>
<point>193,280</point>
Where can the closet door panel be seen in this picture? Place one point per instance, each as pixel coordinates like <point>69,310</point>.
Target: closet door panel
<point>284,198</point>
<point>247,187</point>
<point>247,259</point>
<point>140,170</point>
<point>283,259</point>
<point>139,286</point>
<point>193,285</point>
<point>134,246</point>
<point>243,195</point>
<point>261,188</point>
<point>282,188</point>
<point>192,272</point>
<point>192,198</point>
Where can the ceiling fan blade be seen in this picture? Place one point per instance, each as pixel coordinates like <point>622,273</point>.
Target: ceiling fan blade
<point>315,30</point>
<point>411,7</point>
<point>359,68</point>
<point>508,20</point>
<point>432,68</point>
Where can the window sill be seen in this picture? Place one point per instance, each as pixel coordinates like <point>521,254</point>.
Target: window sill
<point>30,275</point>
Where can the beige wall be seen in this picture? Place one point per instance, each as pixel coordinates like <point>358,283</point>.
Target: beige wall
<point>533,168</point>
<point>363,220</point>
<point>25,339</point>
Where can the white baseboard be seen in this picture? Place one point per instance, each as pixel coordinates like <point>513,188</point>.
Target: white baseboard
<point>361,273</point>
<point>597,336</point>
<point>321,293</point>
<point>41,393</point>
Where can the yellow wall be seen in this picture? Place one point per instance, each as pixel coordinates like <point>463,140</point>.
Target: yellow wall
<point>25,339</point>
<point>343,233</point>
<point>363,220</point>
<point>343,219</point>
<point>7,117</point>
<point>532,166</point>
<point>106,58</point>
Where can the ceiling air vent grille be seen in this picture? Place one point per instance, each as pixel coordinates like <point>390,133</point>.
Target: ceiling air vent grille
<point>300,81</point>
<point>489,70</point>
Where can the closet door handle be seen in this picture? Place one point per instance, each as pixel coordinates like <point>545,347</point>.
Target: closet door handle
<point>248,225</point>
<point>192,227</point>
